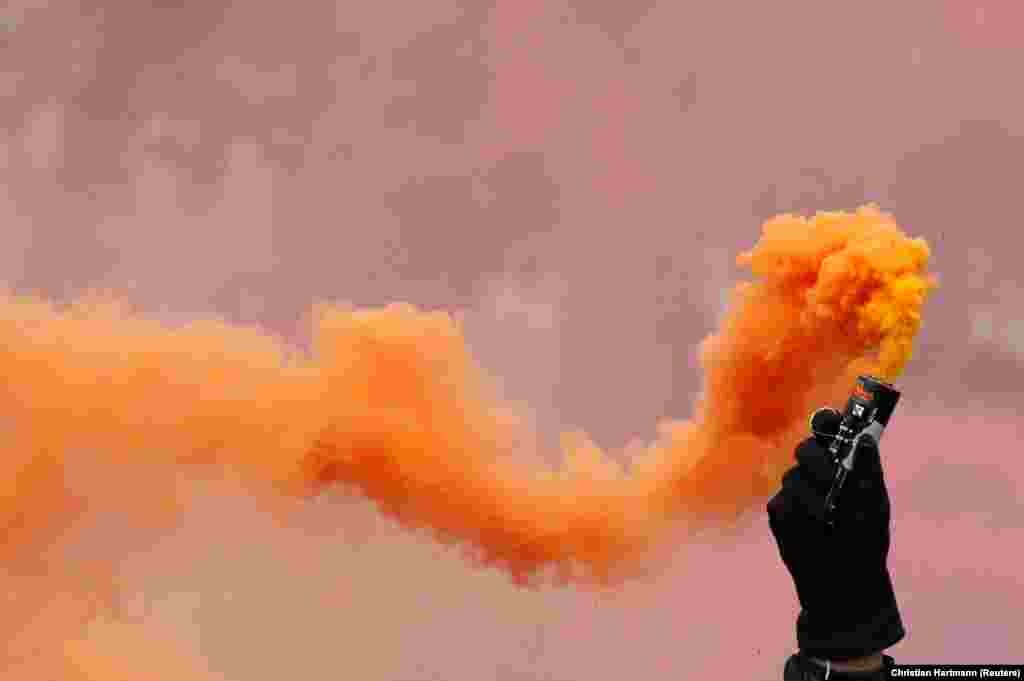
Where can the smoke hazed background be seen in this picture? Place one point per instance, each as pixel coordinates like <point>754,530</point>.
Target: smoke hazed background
<point>582,174</point>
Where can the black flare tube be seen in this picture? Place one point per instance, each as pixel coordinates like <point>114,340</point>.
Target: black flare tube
<point>867,413</point>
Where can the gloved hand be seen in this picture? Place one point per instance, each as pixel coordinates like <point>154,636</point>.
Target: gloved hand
<point>848,608</point>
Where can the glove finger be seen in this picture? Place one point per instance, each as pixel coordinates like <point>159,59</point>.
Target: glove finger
<point>867,469</point>
<point>869,459</point>
<point>817,463</point>
<point>804,497</point>
<point>788,519</point>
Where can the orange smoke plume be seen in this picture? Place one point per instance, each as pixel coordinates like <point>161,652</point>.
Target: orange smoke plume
<point>391,404</point>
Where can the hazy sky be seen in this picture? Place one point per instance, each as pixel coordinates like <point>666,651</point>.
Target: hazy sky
<point>575,178</point>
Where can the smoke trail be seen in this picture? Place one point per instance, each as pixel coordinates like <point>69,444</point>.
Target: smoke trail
<point>391,404</point>
<point>121,653</point>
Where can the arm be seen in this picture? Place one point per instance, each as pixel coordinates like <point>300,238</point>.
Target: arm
<point>871,663</point>
<point>800,667</point>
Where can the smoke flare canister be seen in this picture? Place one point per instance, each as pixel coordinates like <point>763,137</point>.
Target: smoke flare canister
<point>878,399</point>
<point>867,413</point>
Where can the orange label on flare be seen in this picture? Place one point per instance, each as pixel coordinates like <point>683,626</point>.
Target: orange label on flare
<point>862,393</point>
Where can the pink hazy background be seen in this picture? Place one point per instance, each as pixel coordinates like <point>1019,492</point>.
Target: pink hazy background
<point>575,179</point>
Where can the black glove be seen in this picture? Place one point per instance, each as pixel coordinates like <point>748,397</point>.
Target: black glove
<point>848,608</point>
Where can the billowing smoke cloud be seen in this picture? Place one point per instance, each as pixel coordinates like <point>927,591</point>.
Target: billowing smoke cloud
<point>391,404</point>
<point>597,167</point>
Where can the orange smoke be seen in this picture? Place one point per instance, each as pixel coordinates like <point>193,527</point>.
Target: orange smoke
<point>391,404</point>
<point>120,653</point>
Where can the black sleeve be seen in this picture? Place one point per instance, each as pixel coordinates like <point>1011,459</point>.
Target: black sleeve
<point>800,668</point>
